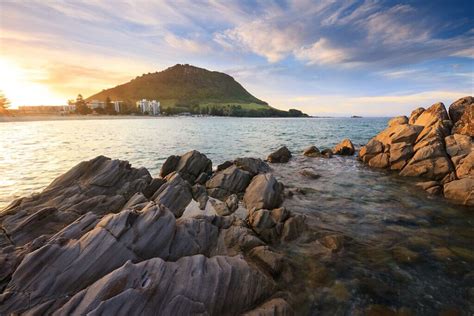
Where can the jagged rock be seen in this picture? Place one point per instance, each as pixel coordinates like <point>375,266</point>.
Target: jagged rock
<point>175,194</point>
<point>132,289</point>
<point>372,149</point>
<point>271,260</point>
<point>430,162</point>
<point>169,165</point>
<point>220,207</point>
<point>312,151</point>
<point>462,115</point>
<point>280,215</point>
<point>200,195</point>
<point>460,191</point>
<point>345,148</point>
<point>154,185</point>
<point>100,186</point>
<point>264,192</point>
<point>398,120</point>
<point>380,161</point>
<point>465,167</point>
<point>327,153</point>
<point>263,224</point>
<point>282,155</point>
<point>458,146</point>
<point>224,165</point>
<point>228,181</point>
<point>232,203</point>
<point>415,114</point>
<point>293,227</point>
<point>253,166</point>
<point>192,164</point>
<point>203,177</point>
<point>138,201</point>
<point>400,153</point>
<point>274,307</point>
<point>434,114</point>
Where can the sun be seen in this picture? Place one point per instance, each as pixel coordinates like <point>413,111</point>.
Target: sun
<point>22,86</point>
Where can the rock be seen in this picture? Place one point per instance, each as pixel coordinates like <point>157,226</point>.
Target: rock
<point>192,164</point>
<point>415,114</point>
<point>269,259</point>
<point>264,192</point>
<point>261,219</point>
<point>380,161</point>
<point>293,227</point>
<point>200,195</point>
<point>253,166</point>
<point>282,155</point>
<point>190,286</point>
<point>232,202</point>
<point>280,215</point>
<point>169,165</point>
<point>312,151</point>
<point>224,165</point>
<point>154,185</point>
<point>434,114</point>
<point>309,174</point>
<point>175,194</point>
<point>276,306</point>
<point>433,168</point>
<point>460,191</point>
<point>372,149</point>
<point>228,181</point>
<point>462,115</point>
<point>404,134</point>
<point>333,242</point>
<point>220,207</point>
<point>398,120</point>
<point>404,255</point>
<point>465,167</point>
<point>427,184</point>
<point>327,153</point>
<point>344,148</point>
<point>400,154</point>
<point>100,186</point>
<point>203,177</point>
<point>458,146</point>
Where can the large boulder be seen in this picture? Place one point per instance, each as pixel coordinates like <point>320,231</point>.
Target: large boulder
<point>415,114</point>
<point>253,166</point>
<point>344,148</point>
<point>264,192</point>
<point>457,147</point>
<point>460,191</point>
<point>100,186</point>
<point>435,113</point>
<point>190,165</point>
<point>462,115</point>
<point>228,181</point>
<point>281,155</point>
<point>398,120</point>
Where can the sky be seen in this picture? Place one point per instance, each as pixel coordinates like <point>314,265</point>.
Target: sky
<point>373,58</point>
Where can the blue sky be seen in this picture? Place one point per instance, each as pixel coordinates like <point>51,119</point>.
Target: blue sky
<point>324,57</point>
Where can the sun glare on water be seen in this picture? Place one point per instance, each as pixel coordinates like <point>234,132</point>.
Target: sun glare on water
<point>23,86</point>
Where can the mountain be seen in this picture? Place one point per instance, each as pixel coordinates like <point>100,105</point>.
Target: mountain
<point>186,88</point>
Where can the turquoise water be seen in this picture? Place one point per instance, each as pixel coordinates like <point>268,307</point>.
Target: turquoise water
<point>32,154</point>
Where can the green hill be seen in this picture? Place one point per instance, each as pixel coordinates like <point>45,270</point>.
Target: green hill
<point>185,88</point>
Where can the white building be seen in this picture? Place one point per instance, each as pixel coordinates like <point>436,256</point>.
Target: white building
<point>118,106</point>
<point>95,104</point>
<point>149,107</point>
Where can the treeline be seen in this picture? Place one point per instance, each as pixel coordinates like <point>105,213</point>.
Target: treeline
<point>230,110</point>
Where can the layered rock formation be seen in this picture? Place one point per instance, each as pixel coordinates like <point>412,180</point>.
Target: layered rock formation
<point>432,145</point>
<point>106,238</point>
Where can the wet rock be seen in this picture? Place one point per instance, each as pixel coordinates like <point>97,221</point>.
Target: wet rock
<point>100,186</point>
<point>169,166</point>
<point>432,187</point>
<point>312,151</point>
<point>327,153</point>
<point>276,306</point>
<point>398,120</point>
<point>381,160</point>
<point>462,115</point>
<point>404,255</point>
<point>281,155</point>
<point>264,192</point>
<point>280,214</point>
<point>262,223</point>
<point>372,149</point>
<point>253,166</point>
<point>415,114</point>
<point>344,148</point>
<point>333,242</point>
<point>133,288</point>
<point>460,191</point>
<point>271,260</point>
<point>228,181</point>
<point>309,174</point>
<point>293,228</point>
<point>175,194</point>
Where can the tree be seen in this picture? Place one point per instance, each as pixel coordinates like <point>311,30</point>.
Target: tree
<point>109,107</point>
<point>4,102</point>
<point>81,106</point>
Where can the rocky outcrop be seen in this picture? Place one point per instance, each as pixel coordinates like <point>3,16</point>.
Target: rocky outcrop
<point>344,148</point>
<point>428,147</point>
<point>462,115</point>
<point>281,155</point>
<point>107,238</point>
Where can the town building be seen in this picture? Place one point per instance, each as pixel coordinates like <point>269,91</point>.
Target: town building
<point>45,109</point>
<point>149,107</point>
<point>95,104</point>
<point>118,106</point>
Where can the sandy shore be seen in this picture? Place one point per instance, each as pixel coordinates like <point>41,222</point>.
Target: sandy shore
<point>32,118</point>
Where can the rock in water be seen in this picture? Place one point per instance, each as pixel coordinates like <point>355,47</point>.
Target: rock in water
<point>264,192</point>
<point>253,166</point>
<point>312,151</point>
<point>282,155</point>
<point>344,148</point>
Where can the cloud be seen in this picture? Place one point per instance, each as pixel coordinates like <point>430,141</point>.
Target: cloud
<point>321,52</point>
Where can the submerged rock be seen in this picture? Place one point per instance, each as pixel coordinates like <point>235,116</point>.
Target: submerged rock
<point>282,155</point>
<point>312,151</point>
